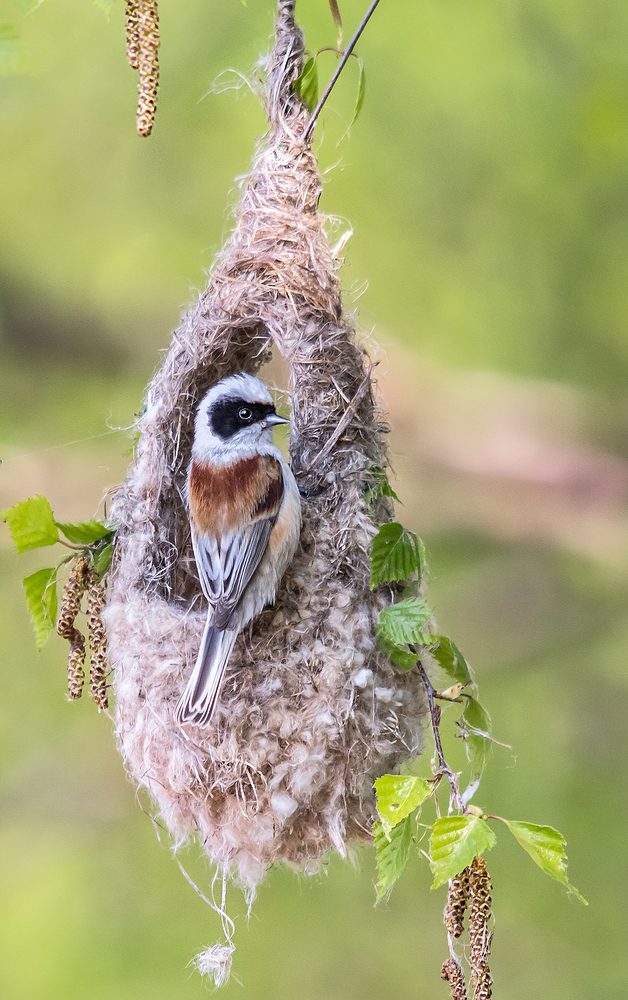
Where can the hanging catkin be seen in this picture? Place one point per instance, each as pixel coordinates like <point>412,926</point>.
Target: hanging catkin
<point>479,933</point>
<point>453,974</point>
<point>132,33</point>
<point>97,641</point>
<point>457,898</point>
<point>148,64</point>
<point>70,607</point>
<point>311,712</point>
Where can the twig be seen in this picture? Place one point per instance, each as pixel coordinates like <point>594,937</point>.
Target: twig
<point>344,420</point>
<point>341,65</point>
<point>429,690</point>
<point>442,763</point>
<point>77,548</point>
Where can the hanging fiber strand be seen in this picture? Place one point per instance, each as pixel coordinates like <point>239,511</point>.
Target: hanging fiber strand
<point>310,712</point>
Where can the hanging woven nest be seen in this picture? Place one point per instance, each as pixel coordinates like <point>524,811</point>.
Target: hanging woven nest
<point>310,712</point>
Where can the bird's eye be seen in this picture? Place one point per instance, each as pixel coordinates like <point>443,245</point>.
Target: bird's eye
<point>244,413</point>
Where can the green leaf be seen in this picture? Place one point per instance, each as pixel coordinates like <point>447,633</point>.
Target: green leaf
<point>102,560</point>
<point>32,524</point>
<point>402,622</point>
<point>84,532</point>
<point>455,842</point>
<point>382,486</point>
<point>451,660</point>
<point>546,847</point>
<point>476,725</point>
<point>398,796</point>
<point>421,557</point>
<point>306,85</point>
<point>386,490</point>
<point>13,59</point>
<point>393,554</point>
<point>361,92</point>
<point>391,854</point>
<point>41,597</point>
<point>399,655</point>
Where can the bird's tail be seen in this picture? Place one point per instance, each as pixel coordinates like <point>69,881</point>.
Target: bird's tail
<point>198,701</point>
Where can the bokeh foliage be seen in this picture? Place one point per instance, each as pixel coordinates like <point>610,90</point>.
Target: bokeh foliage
<point>486,181</point>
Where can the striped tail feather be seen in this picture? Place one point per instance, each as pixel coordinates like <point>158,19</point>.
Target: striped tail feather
<point>198,701</point>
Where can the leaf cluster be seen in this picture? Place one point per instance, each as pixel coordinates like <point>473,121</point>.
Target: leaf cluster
<point>403,634</point>
<point>33,526</point>
<point>454,840</point>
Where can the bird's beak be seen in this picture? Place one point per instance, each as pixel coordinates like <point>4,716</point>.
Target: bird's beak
<point>274,418</point>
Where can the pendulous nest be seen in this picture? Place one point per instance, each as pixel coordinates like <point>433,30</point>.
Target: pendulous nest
<point>311,712</point>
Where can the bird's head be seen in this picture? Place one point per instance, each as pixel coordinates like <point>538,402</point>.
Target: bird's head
<point>234,418</point>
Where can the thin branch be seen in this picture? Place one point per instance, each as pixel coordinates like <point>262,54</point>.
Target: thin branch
<point>429,690</point>
<point>341,65</point>
<point>443,766</point>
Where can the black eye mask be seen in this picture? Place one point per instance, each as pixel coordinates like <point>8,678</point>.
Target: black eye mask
<point>224,416</point>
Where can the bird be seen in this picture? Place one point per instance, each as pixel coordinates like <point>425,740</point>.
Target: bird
<point>244,511</point>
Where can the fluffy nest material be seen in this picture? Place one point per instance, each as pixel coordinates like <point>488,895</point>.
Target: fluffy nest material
<point>311,712</point>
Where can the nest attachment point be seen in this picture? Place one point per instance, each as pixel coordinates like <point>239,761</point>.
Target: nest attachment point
<point>310,712</point>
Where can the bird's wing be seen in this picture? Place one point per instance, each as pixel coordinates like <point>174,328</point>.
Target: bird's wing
<point>227,559</point>
<point>226,565</point>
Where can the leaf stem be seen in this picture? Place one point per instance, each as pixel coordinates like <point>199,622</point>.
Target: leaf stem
<point>341,65</point>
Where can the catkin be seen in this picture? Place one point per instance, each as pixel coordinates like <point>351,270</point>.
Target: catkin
<point>454,975</point>
<point>70,607</point>
<point>132,34</point>
<point>76,659</point>
<point>457,903</point>
<point>148,63</point>
<point>479,934</point>
<point>97,641</point>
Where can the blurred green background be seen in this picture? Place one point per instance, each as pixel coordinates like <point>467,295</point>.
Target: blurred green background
<point>486,182</point>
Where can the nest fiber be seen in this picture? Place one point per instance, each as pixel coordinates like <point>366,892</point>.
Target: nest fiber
<point>310,712</point>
